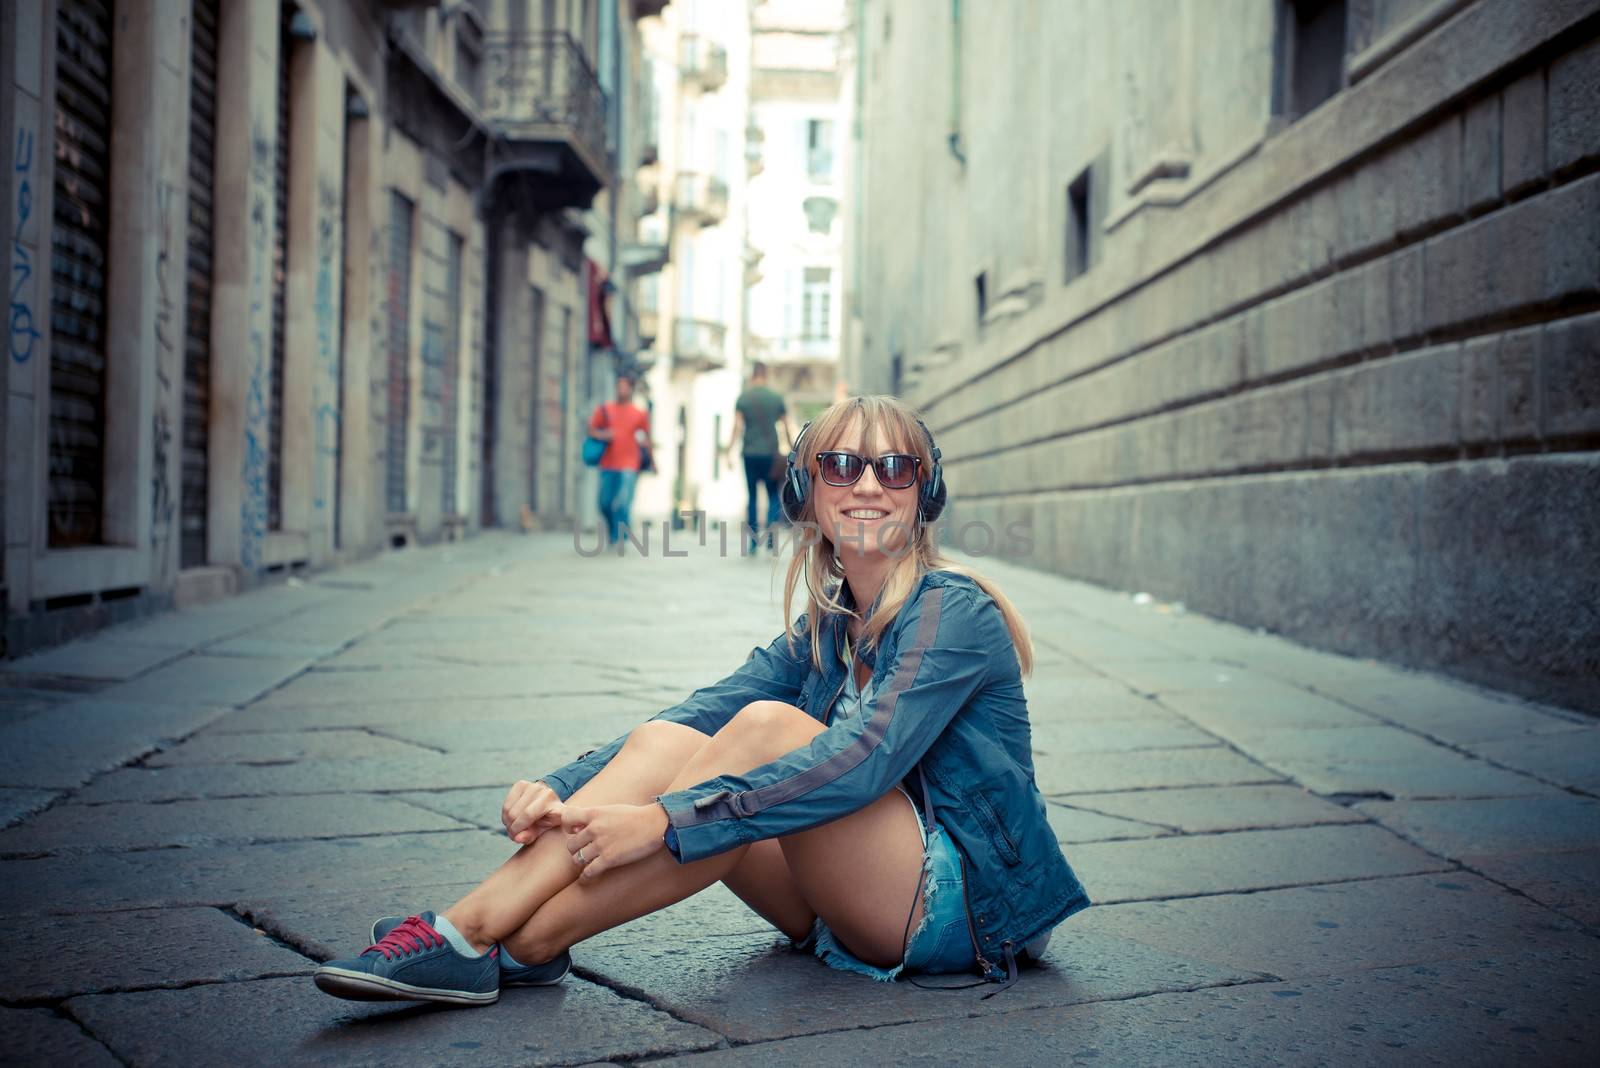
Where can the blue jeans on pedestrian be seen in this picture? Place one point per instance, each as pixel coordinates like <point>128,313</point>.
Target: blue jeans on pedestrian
<point>616,499</point>
<point>758,472</point>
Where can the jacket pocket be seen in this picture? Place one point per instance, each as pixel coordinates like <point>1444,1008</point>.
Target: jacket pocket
<point>999,836</point>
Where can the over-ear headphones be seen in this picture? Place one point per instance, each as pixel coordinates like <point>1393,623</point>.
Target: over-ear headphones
<point>797,481</point>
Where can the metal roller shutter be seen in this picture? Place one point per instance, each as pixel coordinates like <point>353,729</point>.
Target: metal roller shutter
<point>280,272</point>
<point>399,348</point>
<point>78,271</point>
<point>452,361</point>
<point>197,329</point>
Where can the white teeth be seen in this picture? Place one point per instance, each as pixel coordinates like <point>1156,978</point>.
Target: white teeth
<point>865,513</point>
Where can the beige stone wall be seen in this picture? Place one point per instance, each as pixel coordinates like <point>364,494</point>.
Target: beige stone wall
<point>1337,379</point>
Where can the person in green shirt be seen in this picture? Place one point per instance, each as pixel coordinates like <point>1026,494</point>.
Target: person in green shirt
<point>756,415</point>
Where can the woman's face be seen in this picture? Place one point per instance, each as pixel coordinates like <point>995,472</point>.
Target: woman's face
<point>865,518</point>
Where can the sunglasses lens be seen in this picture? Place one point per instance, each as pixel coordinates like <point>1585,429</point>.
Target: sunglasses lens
<point>841,468</point>
<point>897,472</point>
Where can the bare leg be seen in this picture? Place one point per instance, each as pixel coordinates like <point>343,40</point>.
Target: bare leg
<point>860,873</point>
<point>644,768</point>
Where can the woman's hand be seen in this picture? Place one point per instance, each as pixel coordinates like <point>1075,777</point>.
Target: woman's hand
<point>610,836</point>
<point>530,809</point>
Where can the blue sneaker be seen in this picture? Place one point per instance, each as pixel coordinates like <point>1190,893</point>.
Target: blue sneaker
<point>414,962</point>
<point>549,973</point>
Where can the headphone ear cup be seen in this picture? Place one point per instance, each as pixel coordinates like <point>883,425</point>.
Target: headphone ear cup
<point>933,496</point>
<point>796,485</point>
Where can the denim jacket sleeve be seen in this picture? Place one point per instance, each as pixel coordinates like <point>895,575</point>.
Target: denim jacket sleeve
<point>772,673</point>
<point>948,639</point>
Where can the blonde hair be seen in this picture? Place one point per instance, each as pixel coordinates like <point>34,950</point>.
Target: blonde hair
<point>815,559</point>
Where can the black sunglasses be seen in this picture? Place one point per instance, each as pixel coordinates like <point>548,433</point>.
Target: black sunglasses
<point>895,470</point>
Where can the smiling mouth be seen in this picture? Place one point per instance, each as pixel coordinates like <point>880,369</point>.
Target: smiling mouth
<point>865,514</point>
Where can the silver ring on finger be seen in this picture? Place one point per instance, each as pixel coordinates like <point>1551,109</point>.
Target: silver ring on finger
<point>581,859</point>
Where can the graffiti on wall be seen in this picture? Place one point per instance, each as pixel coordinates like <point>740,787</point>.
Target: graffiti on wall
<point>163,502</point>
<point>24,335</point>
<point>253,495</point>
<point>325,380</point>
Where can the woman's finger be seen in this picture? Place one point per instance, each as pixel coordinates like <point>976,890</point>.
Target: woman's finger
<point>579,840</point>
<point>574,818</point>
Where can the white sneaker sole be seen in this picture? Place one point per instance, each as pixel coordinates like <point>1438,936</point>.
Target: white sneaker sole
<point>359,986</point>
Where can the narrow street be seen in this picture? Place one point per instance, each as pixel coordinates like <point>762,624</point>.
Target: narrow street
<point>1294,856</point>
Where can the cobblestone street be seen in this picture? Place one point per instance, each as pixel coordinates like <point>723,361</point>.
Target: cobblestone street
<point>1295,857</point>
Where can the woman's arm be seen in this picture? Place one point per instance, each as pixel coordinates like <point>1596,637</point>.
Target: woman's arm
<point>951,641</point>
<point>770,674</point>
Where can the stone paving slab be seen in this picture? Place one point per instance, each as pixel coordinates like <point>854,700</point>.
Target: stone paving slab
<point>1086,699</point>
<point>1569,758</point>
<point>39,1037</point>
<point>249,645</point>
<point>1096,643</point>
<point>1339,928</point>
<point>70,829</point>
<point>168,878</point>
<point>15,805</point>
<point>1569,882</point>
<point>389,714</point>
<point>23,702</point>
<point>1201,809</point>
<point>564,732</point>
<point>68,745</point>
<point>1554,823</point>
<point>1076,825</point>
<point>276,1022</point>
<point>1243,860</point>
<point>1064,735</point>
<point>96,658</point>
<point>479,806</point>
<point>56,957</point>
<point>755,988</point>
<point>1103,772</point>
<point>1445,774</point>
<point>1450,711</point>
<point>424,771</point>
<point>323,928</point>
<point>1516,1009</point>
<point>1246,711</point>
<point>451,686</point>
<point>1159,677</point>
<point>208,680</point>
<point>280,747</point>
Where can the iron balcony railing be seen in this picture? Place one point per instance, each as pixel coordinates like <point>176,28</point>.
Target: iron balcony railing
<point>539,84</point>
<point>702,63</point>
<point>700,197</point>
<point>699,345</point>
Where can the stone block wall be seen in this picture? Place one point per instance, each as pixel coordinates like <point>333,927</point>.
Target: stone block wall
<point>1349,393</point>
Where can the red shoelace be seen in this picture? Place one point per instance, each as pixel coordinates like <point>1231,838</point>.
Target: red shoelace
<point>414,933</point>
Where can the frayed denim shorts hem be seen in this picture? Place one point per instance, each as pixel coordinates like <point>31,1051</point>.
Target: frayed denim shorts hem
<point>942,942</point>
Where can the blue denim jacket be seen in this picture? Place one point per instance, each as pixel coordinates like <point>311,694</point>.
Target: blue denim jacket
<point>946,694</point>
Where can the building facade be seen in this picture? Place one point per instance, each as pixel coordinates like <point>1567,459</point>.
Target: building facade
<point>1283,309</point>
<point>294,282</point>
<point>798,194</point>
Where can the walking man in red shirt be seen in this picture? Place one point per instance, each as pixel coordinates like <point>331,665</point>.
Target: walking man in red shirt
<point>619,424</point>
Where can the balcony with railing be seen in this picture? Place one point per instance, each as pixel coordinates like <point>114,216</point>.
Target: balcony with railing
<point>543,99</point>
<point>702,63</point>
<point>699,345</point>
<point>700,198</point>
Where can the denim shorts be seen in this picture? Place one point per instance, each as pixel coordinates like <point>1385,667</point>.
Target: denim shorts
<point>941,944</point>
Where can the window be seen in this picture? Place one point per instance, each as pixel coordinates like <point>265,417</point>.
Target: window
<point>816,305</point>
<point>469,53</point>
<point>1310,55</point>
<point>1086,211</point>
<point>819,151</point>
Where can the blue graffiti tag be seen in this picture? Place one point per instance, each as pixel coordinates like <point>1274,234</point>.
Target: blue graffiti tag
<point>23,334</point>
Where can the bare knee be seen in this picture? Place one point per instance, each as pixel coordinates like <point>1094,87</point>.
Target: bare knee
<point>664,739</point>
<point>770,725</point>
